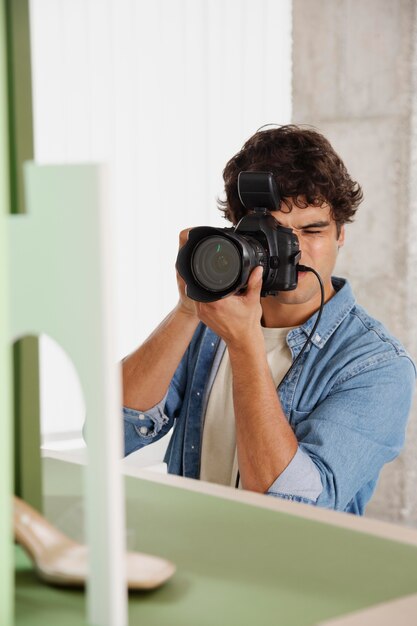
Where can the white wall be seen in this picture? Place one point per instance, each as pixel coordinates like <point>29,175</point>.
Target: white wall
<point>166,92</point>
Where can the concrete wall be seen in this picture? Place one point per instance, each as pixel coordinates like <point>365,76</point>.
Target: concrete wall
<point>354,78</point>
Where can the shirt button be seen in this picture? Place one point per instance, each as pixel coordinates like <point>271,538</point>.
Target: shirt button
<point>198,393</point>
<point>212,344</point>
<point>317,337</point>
<point>143,430</point>
<point>141,416</point>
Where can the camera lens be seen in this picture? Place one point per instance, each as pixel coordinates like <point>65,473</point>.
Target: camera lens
<point>216,263</point>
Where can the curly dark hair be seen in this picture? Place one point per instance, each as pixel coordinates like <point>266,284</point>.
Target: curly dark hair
<point>306,169</point>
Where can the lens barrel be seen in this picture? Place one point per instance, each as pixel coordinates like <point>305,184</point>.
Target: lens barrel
<point>216,263</point>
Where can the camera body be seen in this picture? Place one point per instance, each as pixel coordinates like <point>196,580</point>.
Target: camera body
<point>216,262</point>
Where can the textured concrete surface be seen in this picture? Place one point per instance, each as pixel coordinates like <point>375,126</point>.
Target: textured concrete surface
<point>355,79</point>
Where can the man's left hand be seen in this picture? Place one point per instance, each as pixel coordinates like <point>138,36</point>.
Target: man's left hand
<point>236,318</point>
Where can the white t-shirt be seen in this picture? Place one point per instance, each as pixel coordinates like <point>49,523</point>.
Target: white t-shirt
<point>218,453</point>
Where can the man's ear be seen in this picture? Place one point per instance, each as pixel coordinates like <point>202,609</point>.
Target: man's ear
<point>341,238</point>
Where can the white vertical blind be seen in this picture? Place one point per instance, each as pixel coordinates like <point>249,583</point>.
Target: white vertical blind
<point>165,91</point>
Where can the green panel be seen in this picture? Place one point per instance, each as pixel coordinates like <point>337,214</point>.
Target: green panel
<point>6,555</point>
<point>26,363</point>
<point>27,421</point>
<point>238,565</point>
<point>60,266</point>
<point>20,97</point>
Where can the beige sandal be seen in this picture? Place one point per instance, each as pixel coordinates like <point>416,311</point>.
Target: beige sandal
<point>61,561</point>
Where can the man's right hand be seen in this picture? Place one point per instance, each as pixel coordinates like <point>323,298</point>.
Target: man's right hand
<point>185,304</point>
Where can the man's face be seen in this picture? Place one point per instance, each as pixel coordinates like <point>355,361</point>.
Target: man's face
<point>319,244</point>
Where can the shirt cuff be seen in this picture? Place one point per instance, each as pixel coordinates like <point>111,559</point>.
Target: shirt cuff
<point>146,424</point>
<point>301,478</point>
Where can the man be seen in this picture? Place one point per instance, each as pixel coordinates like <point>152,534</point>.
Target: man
<point>213,369</point>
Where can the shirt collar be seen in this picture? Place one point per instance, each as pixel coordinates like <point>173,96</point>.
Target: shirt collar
<point>334,312</point>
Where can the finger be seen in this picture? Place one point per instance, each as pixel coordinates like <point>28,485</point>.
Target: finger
<point>180,279</point>
<point>255,279</point>
<point>183,236</point>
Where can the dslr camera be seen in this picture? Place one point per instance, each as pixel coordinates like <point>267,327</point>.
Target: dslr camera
<point>217,262</point>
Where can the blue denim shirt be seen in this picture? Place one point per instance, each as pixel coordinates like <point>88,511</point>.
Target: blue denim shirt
<point>347,401</point>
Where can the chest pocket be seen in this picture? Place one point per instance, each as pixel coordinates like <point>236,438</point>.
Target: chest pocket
<point>297,417</point>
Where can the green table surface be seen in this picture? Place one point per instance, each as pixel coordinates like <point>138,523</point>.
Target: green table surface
<point>237,564</point>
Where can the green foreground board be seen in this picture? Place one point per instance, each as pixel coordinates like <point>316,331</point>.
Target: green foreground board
<point>6,555</point>
<point>60,263</point>
<point>237,564</point>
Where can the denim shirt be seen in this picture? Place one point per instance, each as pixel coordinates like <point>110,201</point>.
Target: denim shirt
<point>347,401</point>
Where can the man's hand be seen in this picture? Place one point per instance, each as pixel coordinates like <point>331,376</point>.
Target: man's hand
<point>185,304</point>
<point>236,318</point>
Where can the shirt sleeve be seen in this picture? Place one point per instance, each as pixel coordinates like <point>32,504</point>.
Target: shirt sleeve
<point>144,427</point>
<point>350,435</point>
<point>299,481</point>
